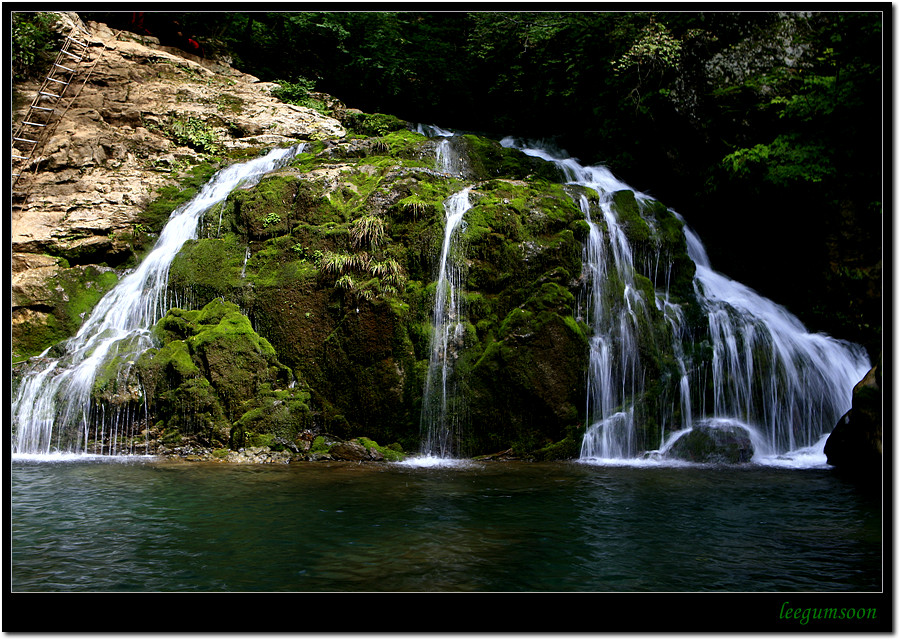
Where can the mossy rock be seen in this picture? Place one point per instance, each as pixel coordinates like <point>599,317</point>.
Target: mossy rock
<point>489,159</point>
<point>363,349</point>
<point>72,293</point>
<point>212,359</point>
<point>713,442</point>
<point>185,186</point>
<point>527,385</point>
<point>236,360</point>
<point>391,453</point>
<point>373,124</point>
<point>569,448</point>
<point>208,268</point>
<point>265,211</point>
<point>656,236</point>
<point>271,417</point>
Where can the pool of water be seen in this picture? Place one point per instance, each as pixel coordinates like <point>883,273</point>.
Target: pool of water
<point>140,525</point>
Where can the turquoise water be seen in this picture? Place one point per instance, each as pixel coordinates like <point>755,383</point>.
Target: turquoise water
<point>150,526</point>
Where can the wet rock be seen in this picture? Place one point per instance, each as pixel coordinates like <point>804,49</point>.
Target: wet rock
<point>718,441</point>
<point>856,442</point>
<point>286,444</point>
<point>349,451</point>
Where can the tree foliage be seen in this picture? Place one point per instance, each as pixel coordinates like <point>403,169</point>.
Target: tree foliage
<point>33,41</point>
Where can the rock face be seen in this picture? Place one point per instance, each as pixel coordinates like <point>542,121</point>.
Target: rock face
<point>713,442</point>
<point>856,442</point>
<point>145,115</point>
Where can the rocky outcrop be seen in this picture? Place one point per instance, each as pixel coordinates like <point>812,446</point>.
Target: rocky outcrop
<point>856,442</point>
<point>143,116</point>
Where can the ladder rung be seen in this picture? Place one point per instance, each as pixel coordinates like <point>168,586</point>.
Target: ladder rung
<point>26,140</point>
<point>57,81</point>
<point>34,124</point>
<point>34,106</point>
<point>83,44</point>
<point>52,95</point>
<point>55,64</point>
<point>71,55</point>
<point>20,157</point>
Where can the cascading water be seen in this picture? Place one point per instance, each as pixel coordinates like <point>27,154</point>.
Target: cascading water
<point>614,307</point>
<point>53,409</point>
<point>447,160</point>
<point>442,407</point>
<point>768,371</point>
<point>786,386</point>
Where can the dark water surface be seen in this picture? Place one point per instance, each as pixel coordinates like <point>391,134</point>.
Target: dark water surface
<point>556,527</point>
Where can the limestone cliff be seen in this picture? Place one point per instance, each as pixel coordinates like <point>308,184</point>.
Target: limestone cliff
<point>142,118</point>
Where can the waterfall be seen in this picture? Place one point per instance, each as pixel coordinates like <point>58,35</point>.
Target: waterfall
<point>788,386</point>
<point>53,409</point>
<point>446,158</point>
<point>442,407</point>
<point>768,371</point>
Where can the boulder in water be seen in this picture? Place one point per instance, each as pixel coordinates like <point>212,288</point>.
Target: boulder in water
<point>354,451</point>
<point>719,441</point>
<point>856,442</point>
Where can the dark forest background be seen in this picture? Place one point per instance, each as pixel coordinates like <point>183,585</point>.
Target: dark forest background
<point>769,132</point>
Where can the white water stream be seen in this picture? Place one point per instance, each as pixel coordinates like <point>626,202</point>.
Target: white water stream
<point>446,159</point>
<point>442,407</point>
<point>52,411</point>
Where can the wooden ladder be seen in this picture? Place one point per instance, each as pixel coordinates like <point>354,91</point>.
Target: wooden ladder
<point>44,113</point>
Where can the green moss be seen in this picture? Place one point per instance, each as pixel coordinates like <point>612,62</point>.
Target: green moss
<point>177,324</point>
<point>319,445</point>
<point>212,313</point>
<point>629,214</point>
<point>551,296</point>
<point>214,368</point>
<point>170,197</point>
<point>73,294</point>
<point>390,454</point>
<point>569,448</point>
<point>35,335</point>
<point>83,288</point>
<point>259,440</point>
<point>268,210</point>
<point>374,124</point>
<point>175,360</point>
<point>401,147</point>
<point>208,268</point>
<point>232,325</point>
<point>488,159</point>
<point>170,437</point>
<point>273,414</point>
<point>518,320</point>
